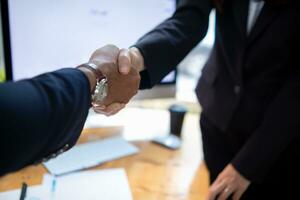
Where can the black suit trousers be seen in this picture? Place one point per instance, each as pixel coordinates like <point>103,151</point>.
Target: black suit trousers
<point>282,182</point>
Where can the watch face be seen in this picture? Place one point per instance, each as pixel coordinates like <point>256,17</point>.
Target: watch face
<point>100,92</point>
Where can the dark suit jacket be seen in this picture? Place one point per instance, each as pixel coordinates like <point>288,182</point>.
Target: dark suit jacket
<point>253,80</point>
<point>41,117</point>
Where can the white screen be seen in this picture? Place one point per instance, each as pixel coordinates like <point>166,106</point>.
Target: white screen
<point>50,34</point>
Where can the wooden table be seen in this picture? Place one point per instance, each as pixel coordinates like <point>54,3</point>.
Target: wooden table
<point>156,173</point>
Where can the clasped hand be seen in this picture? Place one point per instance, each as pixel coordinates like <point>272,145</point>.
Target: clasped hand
<point>122,77</point>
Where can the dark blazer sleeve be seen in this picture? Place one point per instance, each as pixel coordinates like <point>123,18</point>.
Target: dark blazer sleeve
<point>279,129</point>
<point>41,117</point>
<point>167,44</point>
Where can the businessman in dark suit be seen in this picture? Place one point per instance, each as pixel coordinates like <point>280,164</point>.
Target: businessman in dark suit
<point>249,90</point>
<point>43,117</point>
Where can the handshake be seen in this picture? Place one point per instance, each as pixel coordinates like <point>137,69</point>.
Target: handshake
<point>120,67</point>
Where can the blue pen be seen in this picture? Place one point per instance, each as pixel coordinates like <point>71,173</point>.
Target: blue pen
<point>53,188</point>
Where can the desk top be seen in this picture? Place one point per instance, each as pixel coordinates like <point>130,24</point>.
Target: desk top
<point>154,173</point>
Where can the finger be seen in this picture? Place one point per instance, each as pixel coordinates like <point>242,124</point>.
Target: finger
<point>238,194</point>
<point>107,53</point>
<point>215,189</point>
<point>118,110</point>
<point>109,48</point>
<point>98,106</point>
<point>124,61</point>
<point>99,111</point>
<point>113,108</point>
<point>225,193</point>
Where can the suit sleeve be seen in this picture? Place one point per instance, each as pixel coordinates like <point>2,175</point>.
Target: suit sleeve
<point>40,116</point>
<point>167,44</point>
<point>279,129</point>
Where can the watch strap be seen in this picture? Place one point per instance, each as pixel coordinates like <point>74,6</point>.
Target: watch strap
<point>94,68</point>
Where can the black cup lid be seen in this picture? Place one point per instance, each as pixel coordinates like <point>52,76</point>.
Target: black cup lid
<point>178,108</point>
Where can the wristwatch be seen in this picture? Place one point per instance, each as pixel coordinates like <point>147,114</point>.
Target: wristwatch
<point>101,89</point>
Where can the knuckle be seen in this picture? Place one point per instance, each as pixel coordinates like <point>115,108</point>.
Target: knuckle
<point>114,46</point>
<point>110,46</point>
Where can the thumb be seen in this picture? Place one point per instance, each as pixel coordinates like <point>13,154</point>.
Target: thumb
<point>124,61</point>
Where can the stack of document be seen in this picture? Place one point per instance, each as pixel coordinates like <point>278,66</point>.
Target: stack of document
<point>90,154</point>
<point>111,184</point>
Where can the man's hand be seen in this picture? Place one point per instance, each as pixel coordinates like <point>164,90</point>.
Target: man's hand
<point>128,61</point>
<point>229,183</point>
<point>123,80</point>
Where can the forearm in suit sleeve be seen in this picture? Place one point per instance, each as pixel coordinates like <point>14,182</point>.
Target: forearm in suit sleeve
<point>167,44</point>
<point>39,116</point>
<point>279,128</point>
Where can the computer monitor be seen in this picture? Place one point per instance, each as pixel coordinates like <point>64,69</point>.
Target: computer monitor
<point>46,35</point>
<point>2,61</point>
<point>5,59</point>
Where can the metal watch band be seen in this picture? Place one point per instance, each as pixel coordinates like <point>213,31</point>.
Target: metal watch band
<point>100,92</point>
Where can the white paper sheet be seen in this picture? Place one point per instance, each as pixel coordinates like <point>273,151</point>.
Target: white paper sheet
<point>105,185</point>
<point>110,184</point>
